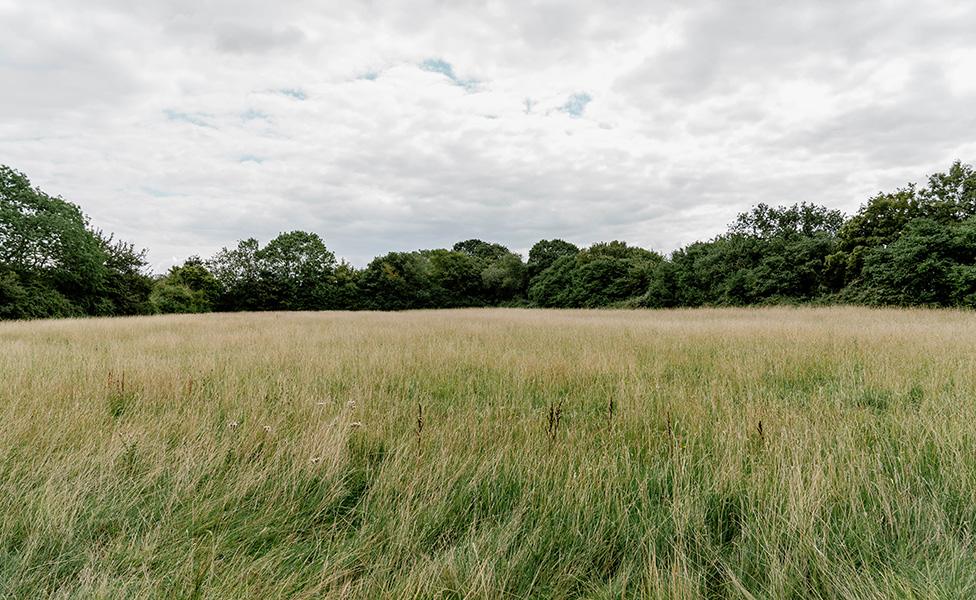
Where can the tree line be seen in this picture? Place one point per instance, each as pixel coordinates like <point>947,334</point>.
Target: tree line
<point>915,246</point>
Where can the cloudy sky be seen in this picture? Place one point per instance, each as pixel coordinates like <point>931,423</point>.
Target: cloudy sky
<point>187,125</point>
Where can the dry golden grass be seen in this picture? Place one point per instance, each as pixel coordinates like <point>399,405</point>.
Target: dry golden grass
<point>777,452</point>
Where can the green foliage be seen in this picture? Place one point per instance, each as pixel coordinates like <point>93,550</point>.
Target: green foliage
<point>552,287</point>
<point>39,232</point>
<point>545,252</point>
<point>803,219</point>
<point>769,254</point>
<point>912,246</point>
<point>53,265</point>
<point>346,293</point>
<point>168,297</point>
<point>193,273</point>
<point>294,271</point>
<point>930,263</point>
<point>397,281</point>
<point>474,273</point>
<point>28,296</point>
<point>502,272</point>
<point>126,287</point>
<point>188,288</point>
<point>601,275</point>
<point>13,296</point>
<point>951,196</point>
<point>238,273</point>
<point>481,250</point>
<point>455,278</point>
<point>298,271</point>
<point>503,278</point>
<point>948,198</point>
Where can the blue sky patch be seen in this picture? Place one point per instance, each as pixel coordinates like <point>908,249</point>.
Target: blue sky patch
<point>254,115</point>
<point>438,65</point>
<point>576,104</point>
<point>198,119</point>
<point>296,93</point>
<point>158,193</point>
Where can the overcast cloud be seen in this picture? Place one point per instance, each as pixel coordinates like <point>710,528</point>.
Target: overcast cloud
<point>187,125</point>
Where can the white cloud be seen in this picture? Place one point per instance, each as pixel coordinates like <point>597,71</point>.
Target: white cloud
<point>185,126</point>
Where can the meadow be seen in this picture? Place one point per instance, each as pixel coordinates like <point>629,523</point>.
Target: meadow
<point>491,453</point>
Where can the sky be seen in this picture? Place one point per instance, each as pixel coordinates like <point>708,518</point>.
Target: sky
<point>185,126</point>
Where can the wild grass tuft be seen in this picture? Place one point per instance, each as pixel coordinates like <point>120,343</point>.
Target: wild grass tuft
<point>739,453</point>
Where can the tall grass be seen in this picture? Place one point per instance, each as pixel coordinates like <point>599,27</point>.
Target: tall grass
<point>805,453</point>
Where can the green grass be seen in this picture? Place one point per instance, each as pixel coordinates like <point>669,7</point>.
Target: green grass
<point>278,455</point>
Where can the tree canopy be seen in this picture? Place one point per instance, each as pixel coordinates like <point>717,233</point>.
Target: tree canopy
<point>915,245</point>
<point>53,264</point>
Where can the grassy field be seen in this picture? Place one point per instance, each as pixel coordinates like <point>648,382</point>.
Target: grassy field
<point>767,453</point>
